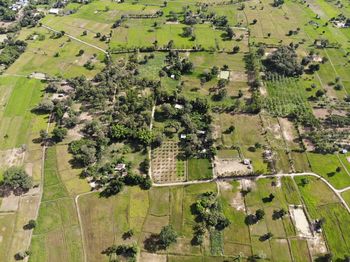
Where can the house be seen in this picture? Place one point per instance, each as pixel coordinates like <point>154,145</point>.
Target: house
<point>224,75</point>
<point>246,161</point>
<point>344,151</point>
<point>178,106</point>
<point>54,11</point>
<point>201,132</point>
<point>183,136</point>
<point>93,184</point>
<point>120,167</point>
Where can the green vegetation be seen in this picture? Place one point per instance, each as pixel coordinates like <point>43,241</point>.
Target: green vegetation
<point>158,92</point>
<point>57,219</point>
<point>199,169</point>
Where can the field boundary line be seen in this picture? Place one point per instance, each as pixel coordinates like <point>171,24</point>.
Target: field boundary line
<point>41,181</point>
<point>341,162</point>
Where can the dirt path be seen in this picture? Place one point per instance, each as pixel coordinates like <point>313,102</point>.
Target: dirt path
<point>80,221</point>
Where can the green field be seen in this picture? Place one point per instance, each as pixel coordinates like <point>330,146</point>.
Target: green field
<point>199,169</point>
<point>326,165</point>
<point>132,66</point>
<point>58,234</point>
<point>322,203</point>
<point>18,123</point>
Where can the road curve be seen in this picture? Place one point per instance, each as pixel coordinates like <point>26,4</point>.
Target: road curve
<point>337,192</point>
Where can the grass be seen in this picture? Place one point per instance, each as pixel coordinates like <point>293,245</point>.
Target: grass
<point>346,196</point>
<point>326,165</point>
<point>322,203</point>
<point>17,121</point>
<point>300,250</point>
<point>57,234</point>
<point>8,223</point>
<point>199,169</point>
<point>40,57</point>
<point>228,153</point>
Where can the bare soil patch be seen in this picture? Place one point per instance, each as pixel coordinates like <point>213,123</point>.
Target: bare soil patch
<point>287,128</point>
<point>229,167</point>
<point>300,221</point>
<point>11,157</point>
<point>238,76</point>
<point>148,257</point>
<point>9,203</point>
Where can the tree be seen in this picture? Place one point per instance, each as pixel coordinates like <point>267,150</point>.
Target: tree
<point>45,106</point>
<point>338,169</point>
<point>81,52</point>
<point>284,62</point>
<point>229,32</point>
<point>235,49</point>
<point>43,135</point>
<point>17,178</point>
<point>259,214</point>
<point>119,132</point>
<point>59,133</point>
<point>31,224</point>
<point>22,255</point>
<point>167,236</point>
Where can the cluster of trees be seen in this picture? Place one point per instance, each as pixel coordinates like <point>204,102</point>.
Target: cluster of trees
<point>31,16</point>
<point>192,117</point>
<point>10,50</point>
<point>337,120</point>
<point>208,215</point>
<point>176,65</point>
<point>121,114</point>
<point>17,180</point>
<point>6,14</point>
<point>326,141</point>
<point>129,252</point>
<point>283,62</point>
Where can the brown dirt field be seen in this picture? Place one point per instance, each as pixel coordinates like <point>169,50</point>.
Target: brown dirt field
<point>238,76</point>
<point>287,128</point>
<point>9,203</point>
<point>229,167</point>
<point>148,257</point>
<point>11,157</point>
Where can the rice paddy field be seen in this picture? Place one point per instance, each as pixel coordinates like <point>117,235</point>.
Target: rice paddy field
<point>74,223</point>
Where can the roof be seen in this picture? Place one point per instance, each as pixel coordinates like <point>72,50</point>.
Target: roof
<point>54,11</point>
<point>120,166</point>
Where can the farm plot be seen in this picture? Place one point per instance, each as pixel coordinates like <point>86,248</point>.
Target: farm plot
<point>57,235</point>
<point>327,166</point>
<point>166,167</point>
<point>322,203</point>
<point>277,143</point>
<point>199,169</point>
<point>249,138</point>
<point>286,97</point>
<point>105,220</point>
<point>17,120</point>
<point>55,57</point>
